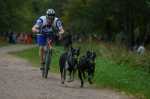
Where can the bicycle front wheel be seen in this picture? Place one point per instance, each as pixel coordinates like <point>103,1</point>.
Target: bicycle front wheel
<point>47,62</point>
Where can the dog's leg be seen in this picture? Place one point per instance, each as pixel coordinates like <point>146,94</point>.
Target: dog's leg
<point>90,81</point>
<point>80,76</point>
<point>84,75</point>
<point>74,71</point>
<point>62,79</point>
<point>70,76</point>
<point>73,75</point>
<point>62,76</point>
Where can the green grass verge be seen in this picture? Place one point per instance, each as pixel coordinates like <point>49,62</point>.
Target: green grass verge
<point>123,77</point>
<point>113,68</point>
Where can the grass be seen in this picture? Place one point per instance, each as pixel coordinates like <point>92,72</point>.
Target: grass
<point>116,67</point>
<point>122,77</point>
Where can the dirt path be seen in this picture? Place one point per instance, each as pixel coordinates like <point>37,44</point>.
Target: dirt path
<point>19,80</point>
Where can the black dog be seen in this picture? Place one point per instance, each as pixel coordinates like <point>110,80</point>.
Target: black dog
<point>68,62</point>
<point>87,66</point>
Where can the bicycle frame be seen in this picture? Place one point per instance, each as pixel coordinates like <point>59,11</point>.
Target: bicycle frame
<point>47,59</point>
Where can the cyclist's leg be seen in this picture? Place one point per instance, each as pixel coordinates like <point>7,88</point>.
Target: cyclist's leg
<point>42,54</point>
<point>50,42</point>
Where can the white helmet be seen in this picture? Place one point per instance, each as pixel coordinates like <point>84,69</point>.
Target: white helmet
<point>50,12</point>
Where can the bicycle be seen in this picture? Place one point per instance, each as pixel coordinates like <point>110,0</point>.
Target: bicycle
<point>48,54</point>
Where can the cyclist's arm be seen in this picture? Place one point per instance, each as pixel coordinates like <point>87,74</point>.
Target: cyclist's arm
<point>35,29</point>
<point>60,28</point>
<point>61,32</point>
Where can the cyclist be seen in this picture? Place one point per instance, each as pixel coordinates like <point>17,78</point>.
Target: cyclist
<point>47,24</point>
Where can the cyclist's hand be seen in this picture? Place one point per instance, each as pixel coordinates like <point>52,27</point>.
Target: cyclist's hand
<point>61,32</point>
<point>35,29</point>
<point>60,37</point>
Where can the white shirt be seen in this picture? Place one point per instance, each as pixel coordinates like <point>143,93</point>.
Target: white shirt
<point>46,27</point>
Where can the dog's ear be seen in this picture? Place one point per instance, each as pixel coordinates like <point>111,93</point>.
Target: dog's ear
<point>78,49</point>
<point>94,55</point>
<point>71,48</point>
<point>89,53</point>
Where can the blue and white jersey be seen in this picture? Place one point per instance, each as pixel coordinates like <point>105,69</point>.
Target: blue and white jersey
<point>46,27</point>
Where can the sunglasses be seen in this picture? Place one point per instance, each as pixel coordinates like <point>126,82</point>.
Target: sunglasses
<point>50,17</point>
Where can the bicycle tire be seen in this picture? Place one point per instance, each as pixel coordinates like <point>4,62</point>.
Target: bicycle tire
<point>47,63</point>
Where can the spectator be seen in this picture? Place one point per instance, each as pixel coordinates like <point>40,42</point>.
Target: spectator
<point>10,37</point>
<point>14,38</point>
<point>21,38</point>
<point>25,38</point>
<point>141,50</point>
<point>29,39</point>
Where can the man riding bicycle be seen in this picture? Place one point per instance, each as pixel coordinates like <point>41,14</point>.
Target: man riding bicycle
<point>48,24</point>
